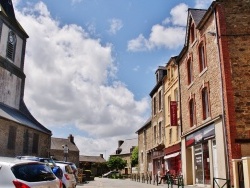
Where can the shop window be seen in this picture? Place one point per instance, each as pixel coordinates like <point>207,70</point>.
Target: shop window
<point>192,112</point>
<point>205,103</point>
<point>202,59</point>
<point>189,71</point>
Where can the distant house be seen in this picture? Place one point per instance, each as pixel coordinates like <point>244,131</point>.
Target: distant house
<point>21,133</point>
<point>64,149</point>
<point>93,163</point>
<point>124,150</point>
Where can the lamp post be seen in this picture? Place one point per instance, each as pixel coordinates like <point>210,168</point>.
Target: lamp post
<point>65,151</point>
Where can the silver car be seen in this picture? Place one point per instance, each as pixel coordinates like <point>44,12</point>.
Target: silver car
<point>16,173</point>
<point>68,178</point>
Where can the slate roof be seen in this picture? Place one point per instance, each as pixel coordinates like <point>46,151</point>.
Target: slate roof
<point>127,145</point>
<point>56,144</point>
<point>197,15</point>
<point>148,122</point>
<point>6,8</point>
<point>21,116</point>
<point>93,159</point>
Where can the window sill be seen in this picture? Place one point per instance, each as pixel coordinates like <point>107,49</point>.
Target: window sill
<point>203,71</point>
<point>190,85</point>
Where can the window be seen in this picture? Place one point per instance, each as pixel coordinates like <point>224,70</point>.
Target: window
<point>141,157</point>
<point>176,95</point>
<point>190,71</point>
<point>35,143</point>
<point>202,59</point>
<point>11,46</point>
<point>155,134</point>
<point>160,100</point>
<point>170,136</point>
<point>169,100</point>
<point>12,138</point>
<point>192,33</point>
<point>154,105</point>
<point>192,112</point>
<point>160,131</point>
<point>205,103</point>
<point>25,142</point>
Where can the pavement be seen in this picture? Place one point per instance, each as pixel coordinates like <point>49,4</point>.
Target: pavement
<point>125,183</point>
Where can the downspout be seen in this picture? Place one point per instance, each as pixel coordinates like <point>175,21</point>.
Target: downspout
<point>222,97</point>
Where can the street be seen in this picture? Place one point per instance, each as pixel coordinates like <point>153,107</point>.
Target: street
<point>121,183</point>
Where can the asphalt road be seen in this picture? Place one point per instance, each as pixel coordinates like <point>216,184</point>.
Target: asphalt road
<point>118,183</point>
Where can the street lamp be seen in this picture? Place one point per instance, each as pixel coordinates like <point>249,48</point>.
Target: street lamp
<point>65,151</point>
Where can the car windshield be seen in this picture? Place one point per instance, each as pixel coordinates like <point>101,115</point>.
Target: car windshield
<point>33,172</point>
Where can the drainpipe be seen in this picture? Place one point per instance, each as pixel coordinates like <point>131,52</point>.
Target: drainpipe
<point>222,97</point>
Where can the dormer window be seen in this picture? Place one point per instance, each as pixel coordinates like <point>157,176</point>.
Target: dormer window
<point>11,46</point>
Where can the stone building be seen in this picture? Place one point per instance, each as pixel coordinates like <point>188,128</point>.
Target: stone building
<point>64,149</point>
<point>158,121</point>
<point>214,67</point>
<point>145,140</point>
<point>172,126</point>
<point>21,133</point>
<point>97,164</point>
<point>124,151</point>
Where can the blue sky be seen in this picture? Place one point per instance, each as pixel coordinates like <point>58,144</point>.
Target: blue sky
<point>90,64</point>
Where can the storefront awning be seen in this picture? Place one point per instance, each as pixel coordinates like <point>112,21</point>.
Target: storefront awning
<point>172,155</point>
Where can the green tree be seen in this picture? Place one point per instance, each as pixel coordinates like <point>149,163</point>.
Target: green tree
<point>116,163</point>
<point>134,157</point>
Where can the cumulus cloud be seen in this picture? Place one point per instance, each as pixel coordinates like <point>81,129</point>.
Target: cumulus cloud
<point>170,34</point>
<point>115,25</point>
<point>71,82</point>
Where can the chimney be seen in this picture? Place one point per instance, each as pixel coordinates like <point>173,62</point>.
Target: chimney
<point>101,155</point>
<point>71,139</point>
<point>120,142</point>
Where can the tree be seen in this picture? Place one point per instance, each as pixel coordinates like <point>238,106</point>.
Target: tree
<point>116,163</point>
<point>134,157</point>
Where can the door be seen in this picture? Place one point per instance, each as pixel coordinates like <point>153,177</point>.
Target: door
<point>198,159</point>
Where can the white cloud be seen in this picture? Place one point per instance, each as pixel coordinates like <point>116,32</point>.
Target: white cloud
<point>70,80</point>
<point>115,25</point>
<point>170,35</point>
<point>179,15</point>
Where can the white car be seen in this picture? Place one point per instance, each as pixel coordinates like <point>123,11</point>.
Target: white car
<point>68,179</point>
<point>16,173</point>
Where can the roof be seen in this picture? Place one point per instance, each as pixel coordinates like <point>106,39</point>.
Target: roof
<point>93,159</point>
<point>6,8</point>
<point>57,143</point>
<point>127,145</point>
<point>21,116</point>
<point>148,122</point>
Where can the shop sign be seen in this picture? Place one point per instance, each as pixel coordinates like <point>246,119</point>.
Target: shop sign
<point>173,113</point>
<point>200,135</point>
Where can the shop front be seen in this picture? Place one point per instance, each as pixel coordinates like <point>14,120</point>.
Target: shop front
<point>172,159</point>
<point>201,142</point>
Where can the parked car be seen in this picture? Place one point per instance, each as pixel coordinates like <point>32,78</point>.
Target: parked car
<point>55,168</point>
<point>87,175</point>
<point>16,173</point>
<point>110,174</point>
<point>68,178</point>
<point>73,167</point>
